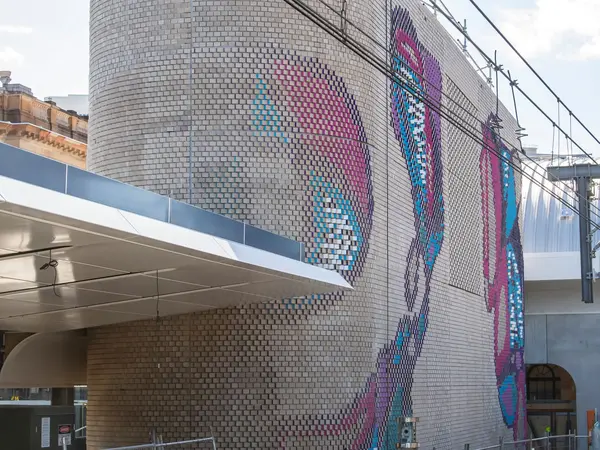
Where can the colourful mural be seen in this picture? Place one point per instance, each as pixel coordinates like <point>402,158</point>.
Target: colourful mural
<point>417,128</point>
<point>503,273</point>
<point>308,107</point>
<point>388,392</point>
<point>294,104</point>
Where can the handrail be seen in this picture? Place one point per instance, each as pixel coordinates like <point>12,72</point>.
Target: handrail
<point>526,441</point>
<point>167,444</point>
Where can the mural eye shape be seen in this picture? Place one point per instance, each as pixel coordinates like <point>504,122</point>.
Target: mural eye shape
<point>410,53</point>
<point>339,237</point>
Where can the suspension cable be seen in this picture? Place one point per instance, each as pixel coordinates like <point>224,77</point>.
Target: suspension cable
<point>383,67</point>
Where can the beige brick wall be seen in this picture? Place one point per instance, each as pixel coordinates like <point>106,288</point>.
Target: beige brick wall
<point>293,133</point>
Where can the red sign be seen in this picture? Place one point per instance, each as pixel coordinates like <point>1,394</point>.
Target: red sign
<point>64,429</point>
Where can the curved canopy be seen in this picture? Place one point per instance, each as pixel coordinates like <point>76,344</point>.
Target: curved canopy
<point>47,360</point>
<point>550,228</point>
<point>78,250</point>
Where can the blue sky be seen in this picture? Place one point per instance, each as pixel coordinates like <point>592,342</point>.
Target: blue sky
<point>45,44</point>
<point>561,39</point>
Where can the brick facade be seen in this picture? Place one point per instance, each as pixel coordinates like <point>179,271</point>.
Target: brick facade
<point>293,133</point>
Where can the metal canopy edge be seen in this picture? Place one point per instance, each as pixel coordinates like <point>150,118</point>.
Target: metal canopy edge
<point>113,265</point>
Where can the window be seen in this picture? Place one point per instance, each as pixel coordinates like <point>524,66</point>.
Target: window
<point>542,383</point>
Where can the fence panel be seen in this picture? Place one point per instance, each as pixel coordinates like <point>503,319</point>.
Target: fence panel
<point>567,442</point>
<point>192,444</point>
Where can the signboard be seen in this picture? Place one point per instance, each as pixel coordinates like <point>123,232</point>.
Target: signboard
<point>591,420</point>
<point>45,432</point>
<point>64,434</point>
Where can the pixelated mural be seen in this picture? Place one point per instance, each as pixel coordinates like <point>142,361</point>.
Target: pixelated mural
<point>503,273</point>
<point>417,128</point>
<point>329,149</point>
<point>314,144</point>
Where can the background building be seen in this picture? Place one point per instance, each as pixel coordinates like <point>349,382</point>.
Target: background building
<point>563,347</point>
<point>40,127</point>
<point>72,102</point>
<point>249,110</point>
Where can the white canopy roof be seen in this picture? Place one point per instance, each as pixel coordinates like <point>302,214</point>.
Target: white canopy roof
<point>115,266</point>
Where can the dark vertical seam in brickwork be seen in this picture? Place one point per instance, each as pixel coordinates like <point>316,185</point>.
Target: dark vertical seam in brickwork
<point>387,193</point>
<point>190,102</point>
<point>546,333</point>
<point>192,434</point>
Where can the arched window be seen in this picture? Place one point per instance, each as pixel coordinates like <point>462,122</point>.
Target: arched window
<point>543,383</point>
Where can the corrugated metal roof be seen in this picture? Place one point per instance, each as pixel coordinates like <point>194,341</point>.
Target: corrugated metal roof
<point>548,225</point>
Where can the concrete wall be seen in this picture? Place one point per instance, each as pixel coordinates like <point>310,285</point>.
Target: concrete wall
<point>294,133</point>
<point>560,329</point>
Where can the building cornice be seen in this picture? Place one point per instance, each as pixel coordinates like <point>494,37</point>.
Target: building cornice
<point>47,137</point>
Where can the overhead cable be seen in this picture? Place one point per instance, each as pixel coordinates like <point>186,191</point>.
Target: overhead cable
<point>513,84</point>
<point>539,77</point>
<point>509,78</point>
<point>344,32</point>
<point>383,67</point>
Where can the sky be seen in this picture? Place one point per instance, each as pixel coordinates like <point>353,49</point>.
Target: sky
<point>45,44</point>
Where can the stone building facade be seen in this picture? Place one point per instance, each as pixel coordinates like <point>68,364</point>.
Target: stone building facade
<point>272,121</point>
<point>38,140</point>
<point>40,127</point>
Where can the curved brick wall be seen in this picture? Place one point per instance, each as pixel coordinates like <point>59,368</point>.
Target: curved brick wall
<point>293,133</point>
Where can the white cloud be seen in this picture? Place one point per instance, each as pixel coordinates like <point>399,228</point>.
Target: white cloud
<point>551,26</point>
<point>9,57</point>
<point>15,29</point>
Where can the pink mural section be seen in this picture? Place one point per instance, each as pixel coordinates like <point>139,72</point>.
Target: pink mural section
<point>503,273</point>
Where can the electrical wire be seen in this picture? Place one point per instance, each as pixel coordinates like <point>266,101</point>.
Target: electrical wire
<point>505,75</point>
<point>190,402</point>
<point>157,299</point>
<point>190,105</point>
<point>52,263</point>
<point>384,68</point>
<point>463,45</point>
<point>499,69</point>
<point>513,83</point>
<point>388,333</point>
<point>575,195</point>
<point>155,351</point>
<point>530,67</point>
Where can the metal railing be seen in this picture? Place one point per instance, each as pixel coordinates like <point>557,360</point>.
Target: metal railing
<point>565,442</point>
<point>161,446</point>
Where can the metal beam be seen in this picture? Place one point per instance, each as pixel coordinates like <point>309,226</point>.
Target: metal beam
<point>582,174</point>
<point>557,173</point>
<point>585,241</point>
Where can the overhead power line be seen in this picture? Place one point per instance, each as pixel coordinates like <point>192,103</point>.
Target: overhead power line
<point>493,64</point>
<point>446,13</point>
<point>344,29</point>
<point>383,67</point>
<point>530,67</point>
<point>512,81</point>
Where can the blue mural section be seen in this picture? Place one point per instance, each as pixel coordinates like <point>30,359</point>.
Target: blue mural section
<point>266,116</point>
<point>338,237</point>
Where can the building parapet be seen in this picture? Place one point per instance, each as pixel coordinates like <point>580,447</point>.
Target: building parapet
<point>24,108</point>
<point>45,142</point>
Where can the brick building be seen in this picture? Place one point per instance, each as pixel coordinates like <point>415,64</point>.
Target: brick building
<point>40,127</point>
<point>249,110</point>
